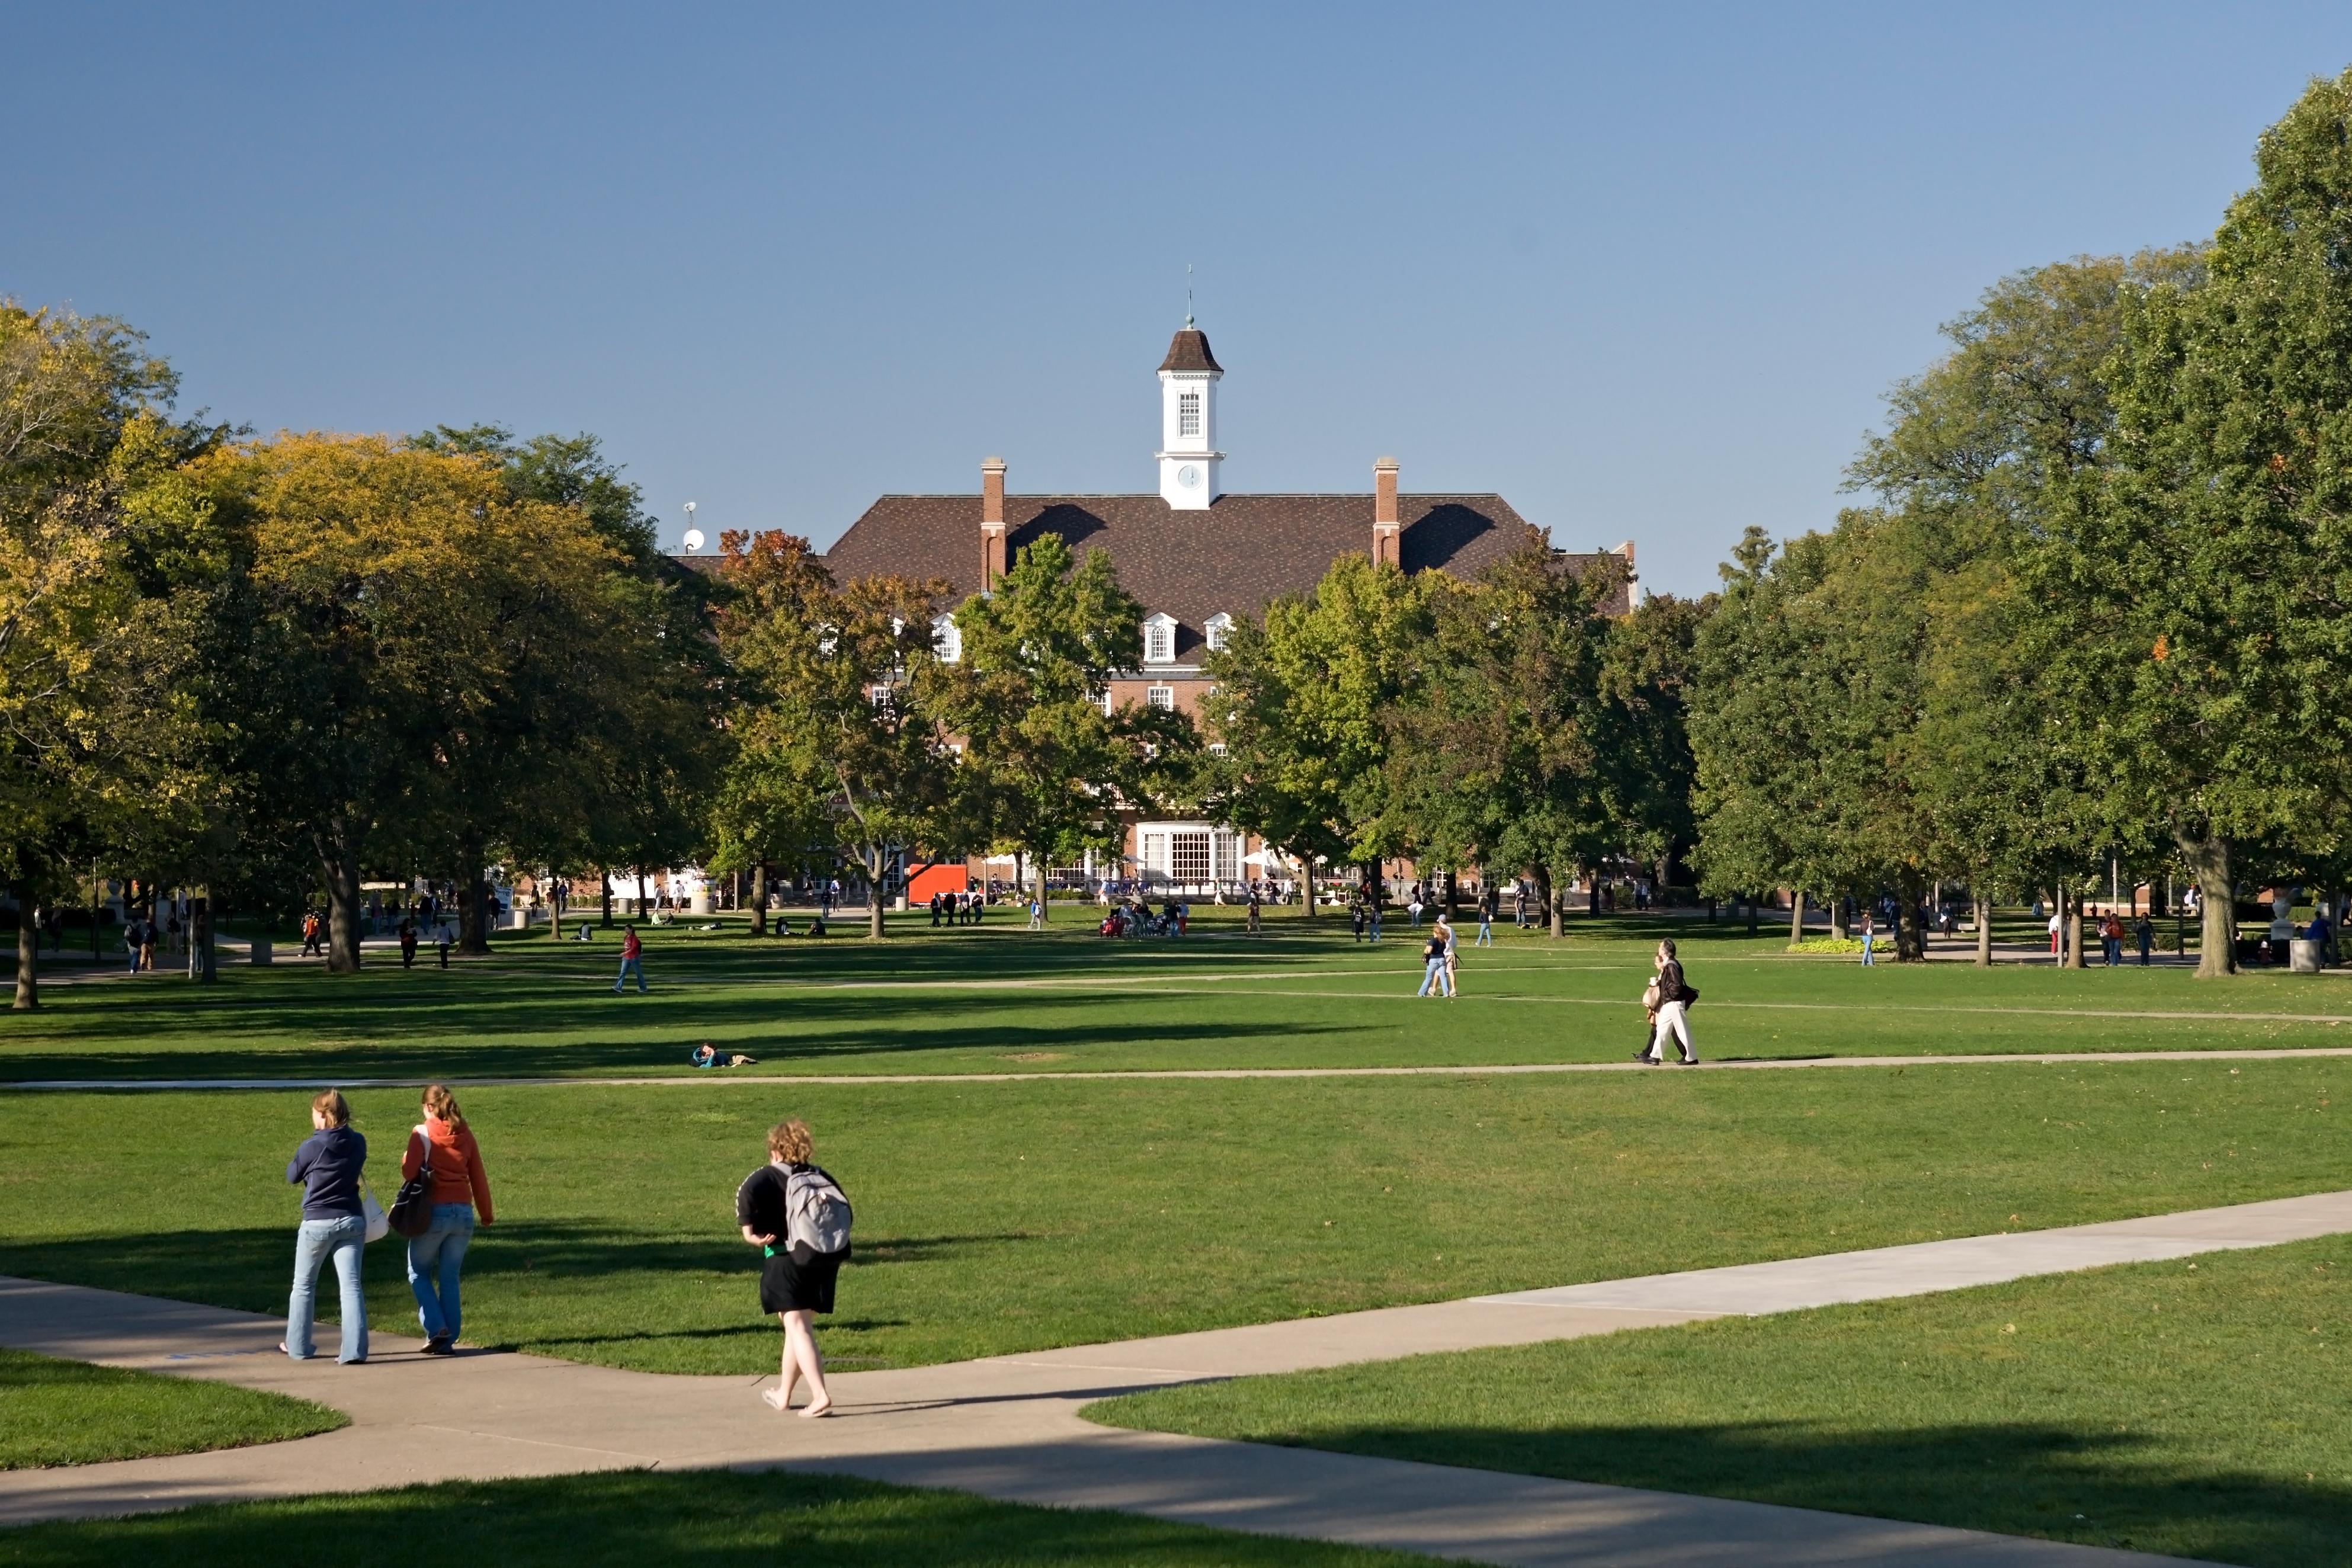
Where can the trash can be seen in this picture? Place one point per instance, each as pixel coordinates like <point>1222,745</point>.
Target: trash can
<point>702,904</point>
<point>260,952</point>
<point>2305,956</point>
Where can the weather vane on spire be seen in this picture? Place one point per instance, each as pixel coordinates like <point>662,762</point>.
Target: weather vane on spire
<point>1188,297</point>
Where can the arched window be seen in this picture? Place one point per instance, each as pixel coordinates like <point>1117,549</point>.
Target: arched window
<point>1220,626</point>
<point>1160,640</point>
<point>947,639</point>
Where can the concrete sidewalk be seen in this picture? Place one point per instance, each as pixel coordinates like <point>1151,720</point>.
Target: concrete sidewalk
<point>1008,1427</point>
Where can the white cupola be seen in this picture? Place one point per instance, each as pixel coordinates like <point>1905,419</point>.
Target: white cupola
<point>1188,422</point>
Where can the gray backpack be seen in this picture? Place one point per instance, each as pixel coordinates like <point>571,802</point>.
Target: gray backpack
<point>816,1216</point>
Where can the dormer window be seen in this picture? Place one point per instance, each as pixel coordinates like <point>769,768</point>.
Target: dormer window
<point>947,639</point>
<point>1160,640</point>
<point>1188,413</point>
<point>1219,628</point>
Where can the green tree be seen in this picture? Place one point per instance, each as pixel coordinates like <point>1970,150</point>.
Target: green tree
<point>94,740</point>
<point>839,712</point>
<point>1057,765</point>
<point>2200,621</point>
<point>1303,707</point>
<point>1499,739</point>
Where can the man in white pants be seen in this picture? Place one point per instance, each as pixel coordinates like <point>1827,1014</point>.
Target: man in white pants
<point>1674,998</point>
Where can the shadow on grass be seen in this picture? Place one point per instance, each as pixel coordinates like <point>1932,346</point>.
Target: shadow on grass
<point>2016,1478</point>
<point>248,1269</point>
<point>356,1037</point>
<point>711,1519</point>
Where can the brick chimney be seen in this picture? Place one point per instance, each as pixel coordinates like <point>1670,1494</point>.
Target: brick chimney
<point>991,521</point>
<point>1388,534</point>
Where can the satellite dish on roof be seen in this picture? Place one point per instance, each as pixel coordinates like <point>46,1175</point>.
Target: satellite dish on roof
<point>694,541</point>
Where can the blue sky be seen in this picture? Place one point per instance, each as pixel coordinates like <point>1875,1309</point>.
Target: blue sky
<point>1645,270</point>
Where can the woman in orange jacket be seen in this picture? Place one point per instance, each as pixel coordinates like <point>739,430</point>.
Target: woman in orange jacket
<point>459,1188</point>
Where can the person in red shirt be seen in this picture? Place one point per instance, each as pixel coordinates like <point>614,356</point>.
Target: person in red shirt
<point>631,951</point>
<point>459,1188</point>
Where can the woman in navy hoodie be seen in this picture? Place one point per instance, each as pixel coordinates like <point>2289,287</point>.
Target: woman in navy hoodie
<point>327,1166</point>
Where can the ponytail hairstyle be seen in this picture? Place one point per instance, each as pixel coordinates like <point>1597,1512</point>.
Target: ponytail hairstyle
<point>442,1106</point>
<point>333,1107</point>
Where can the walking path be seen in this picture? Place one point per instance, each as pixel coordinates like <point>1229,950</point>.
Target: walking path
<point>760,1081</point>
<point>1008,1427</point>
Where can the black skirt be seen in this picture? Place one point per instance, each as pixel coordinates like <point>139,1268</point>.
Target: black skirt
<point>789,1287</point>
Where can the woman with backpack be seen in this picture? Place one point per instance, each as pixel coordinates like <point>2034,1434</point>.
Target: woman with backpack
<point>1669,999</point>
<point>443,1147</point>
<point>797,1216</point>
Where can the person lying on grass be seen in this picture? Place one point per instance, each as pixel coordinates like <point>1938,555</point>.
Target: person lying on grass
<point>706,1055</point>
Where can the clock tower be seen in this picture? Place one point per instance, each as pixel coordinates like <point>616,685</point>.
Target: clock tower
<point>1188,422</point>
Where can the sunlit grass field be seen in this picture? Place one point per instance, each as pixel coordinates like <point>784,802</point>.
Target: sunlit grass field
<point>1002,1217</point>
<point>2192,1408</point>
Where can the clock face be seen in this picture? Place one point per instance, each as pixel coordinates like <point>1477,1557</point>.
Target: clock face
<point>1189,476</point>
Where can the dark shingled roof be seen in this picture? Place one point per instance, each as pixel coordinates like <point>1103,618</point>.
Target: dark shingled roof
<point>1189,351</point>
<point>1235,555</point>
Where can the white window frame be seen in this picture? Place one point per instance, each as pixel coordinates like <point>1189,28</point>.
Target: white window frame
<point>1187,414</point>
<point>1161,698</point>
<point>947,639</point>
<point>1219,627</point>
<point>1160,639</point>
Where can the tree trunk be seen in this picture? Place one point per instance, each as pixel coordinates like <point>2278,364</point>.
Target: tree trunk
<point>1038,865</point>
<point>1984,932</point>
<point>1796,915</point>
<point>1452,899</point>
<point>643,913</point>
<point>604,885</point>
<point>1910,935</point>
<point>2217,907</point>
<point>1544,888</point>
<point>339,862</point>
<point>29,952</point>
<point>1556,907</point>
<point>2075,937</point>
<point>1753,916</point>
<point>873,860</point>
<point>1837,916</point>
<point>760,899</point>
<point>474,908</point>
<point>554,911</point>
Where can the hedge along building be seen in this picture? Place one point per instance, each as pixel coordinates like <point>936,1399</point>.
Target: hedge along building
<point>1196,558</point>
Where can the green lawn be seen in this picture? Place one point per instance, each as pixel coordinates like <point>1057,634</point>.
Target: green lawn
<point>996,998</point>
<point>2194,1408</point>
<point>71,1413</point>
<point>635,1518</point>
<point>1007,1216</point>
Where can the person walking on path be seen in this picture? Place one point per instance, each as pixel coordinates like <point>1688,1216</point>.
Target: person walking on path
<point>147,941</point>
<point>1452,959</point>
<point>2111,939</point>
<point>1672,997</point>
<point>1486,902</point>
<point>334,1224</point>
<point>408,943</point>
<point>797,1216</point>
<point>632,955</point>
<point>1356,919</point>
<point>443,1144</point>
<point>1373,913</point>
<point>2144,932</point>
<point>1256,925</point>
<point>1866,939</point>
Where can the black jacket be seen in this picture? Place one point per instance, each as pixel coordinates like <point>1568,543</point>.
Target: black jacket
<point>1670,983</point>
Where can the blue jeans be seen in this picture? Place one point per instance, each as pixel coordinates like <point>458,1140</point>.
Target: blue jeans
<point>433,1260</point>
<point>1485,933</point>
<point>630,966</point>
<point>344,1237</point>
<point>1866,939</point>
<point>1376,926</point>
<point>1434,974</point>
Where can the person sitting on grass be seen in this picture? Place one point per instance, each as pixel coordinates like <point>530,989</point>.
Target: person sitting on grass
<point>707,1055</point>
